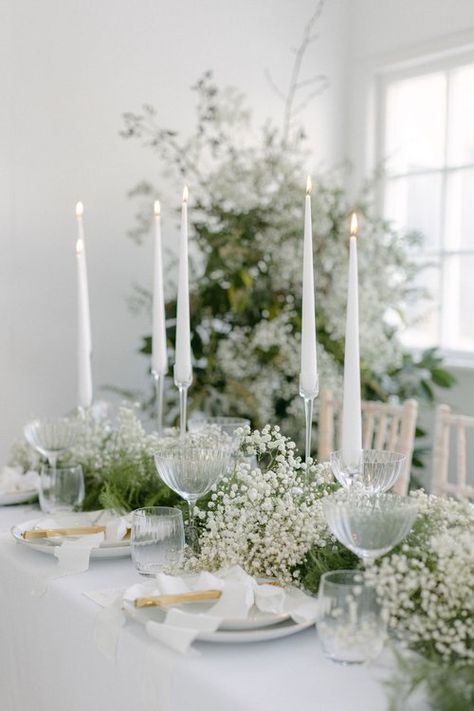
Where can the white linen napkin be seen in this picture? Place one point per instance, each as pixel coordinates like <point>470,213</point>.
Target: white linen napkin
<point>73,554</point>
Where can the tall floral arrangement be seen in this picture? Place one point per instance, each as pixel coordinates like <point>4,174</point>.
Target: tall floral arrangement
<point>247,217</point>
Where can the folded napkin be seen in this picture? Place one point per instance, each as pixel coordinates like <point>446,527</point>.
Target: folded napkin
<point>73,554</point>
<point>240,593</point>
<point>13,479</point>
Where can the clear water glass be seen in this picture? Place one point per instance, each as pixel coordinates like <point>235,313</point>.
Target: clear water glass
<point>61,488</point>
<point>369,526</point>
<point>191,470</point>
<point>51,437</point>
<point>351,624</point>
<point>157,540</point>
<point>377,470</point>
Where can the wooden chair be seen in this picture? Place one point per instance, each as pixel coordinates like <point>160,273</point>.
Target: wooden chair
<point>445,422</point>
<point>384,426</point>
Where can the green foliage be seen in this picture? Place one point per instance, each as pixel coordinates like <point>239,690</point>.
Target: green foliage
<point>127,484</point>
<point>320,560</point>
<point>130,485</point>
<point>448,687</point>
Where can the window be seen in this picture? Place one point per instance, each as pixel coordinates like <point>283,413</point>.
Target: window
<point>426,136</point>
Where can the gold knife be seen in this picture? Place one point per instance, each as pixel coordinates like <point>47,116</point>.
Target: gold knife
<point>161,600</point>
<point>76,531</point>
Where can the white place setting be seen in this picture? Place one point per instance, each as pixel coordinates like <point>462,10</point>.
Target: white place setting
<point>17,487</point>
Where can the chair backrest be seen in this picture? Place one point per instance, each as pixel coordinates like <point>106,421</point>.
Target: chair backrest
<point>384,426</point>
<point>445,423</point>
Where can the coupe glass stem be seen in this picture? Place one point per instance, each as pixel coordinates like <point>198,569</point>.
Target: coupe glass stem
<point>192,531</point>
<point>53,460</point>
<point>308,414</point>
<point>183,401</point>
<point>159,390</point>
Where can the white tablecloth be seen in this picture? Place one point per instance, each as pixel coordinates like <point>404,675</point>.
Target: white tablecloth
<point>49,660</point>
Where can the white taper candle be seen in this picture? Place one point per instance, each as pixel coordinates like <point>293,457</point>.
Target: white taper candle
<point>309,385</point>
<point>159,357</point>
<point>351,410</point>
<point>84,336</point>
<point>183,372</point>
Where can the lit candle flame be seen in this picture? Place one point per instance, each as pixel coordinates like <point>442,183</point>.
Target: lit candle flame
<point>309,185</point>
<point>157,208</point>
<point>354,225</point>
<point>79,209</point>
<point>79,246</point>
<point>185,194</point>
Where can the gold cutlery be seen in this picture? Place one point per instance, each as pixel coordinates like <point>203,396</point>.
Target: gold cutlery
<point>76,531</point>
<point>162,600</point>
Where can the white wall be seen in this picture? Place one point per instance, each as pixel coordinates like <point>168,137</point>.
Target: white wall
<point>69,68</point>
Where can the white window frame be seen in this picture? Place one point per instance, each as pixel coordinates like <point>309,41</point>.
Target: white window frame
<point>404,69</point>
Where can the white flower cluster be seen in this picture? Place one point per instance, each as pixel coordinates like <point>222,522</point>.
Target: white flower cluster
<point>271,341</point>
<point>101,440</point>
<point>266,517</point>
<point>428,588</point>
<point>106,437</point>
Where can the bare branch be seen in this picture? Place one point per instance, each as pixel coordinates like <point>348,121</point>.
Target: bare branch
<point>272,84</point>
<point>312,95</point>
<point>308,37</point>
<point>312,80</point>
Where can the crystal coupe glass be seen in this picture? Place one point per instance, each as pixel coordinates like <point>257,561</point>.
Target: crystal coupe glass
<point>191,470</point>
<point>376,471</point>
<point>51,437</point>
<point>369,526</point>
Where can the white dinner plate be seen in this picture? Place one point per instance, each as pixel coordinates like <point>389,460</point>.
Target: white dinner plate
<point>8,498</point>
<point>113,549</point>
<point>231,631</point>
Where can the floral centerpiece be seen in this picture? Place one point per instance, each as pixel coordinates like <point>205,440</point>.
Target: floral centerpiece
<point>268,519</point>
<point>266,516</point>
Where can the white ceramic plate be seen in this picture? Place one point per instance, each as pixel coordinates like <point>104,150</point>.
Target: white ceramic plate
<point>17,497</point>
<point>47,545</point>
<point>284,629</point>
<point>231,631</point>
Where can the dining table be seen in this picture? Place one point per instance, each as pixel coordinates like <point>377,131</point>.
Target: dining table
<point>52,658</point>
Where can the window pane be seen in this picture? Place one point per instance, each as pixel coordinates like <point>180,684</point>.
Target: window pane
<point>461,113</point>
<point>415,123</point>
<point>458,298</point>
<point>414,203</point>
<point>424,314</point>
<point>459,232</point>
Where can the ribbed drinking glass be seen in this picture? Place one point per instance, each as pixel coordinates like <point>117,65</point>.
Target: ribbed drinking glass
<point>351,624</point>
<point>157,540</point>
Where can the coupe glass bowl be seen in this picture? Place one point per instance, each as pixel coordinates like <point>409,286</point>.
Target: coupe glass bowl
<point>376,472</point>
<point>369,526</point>
<point>52,436</point>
